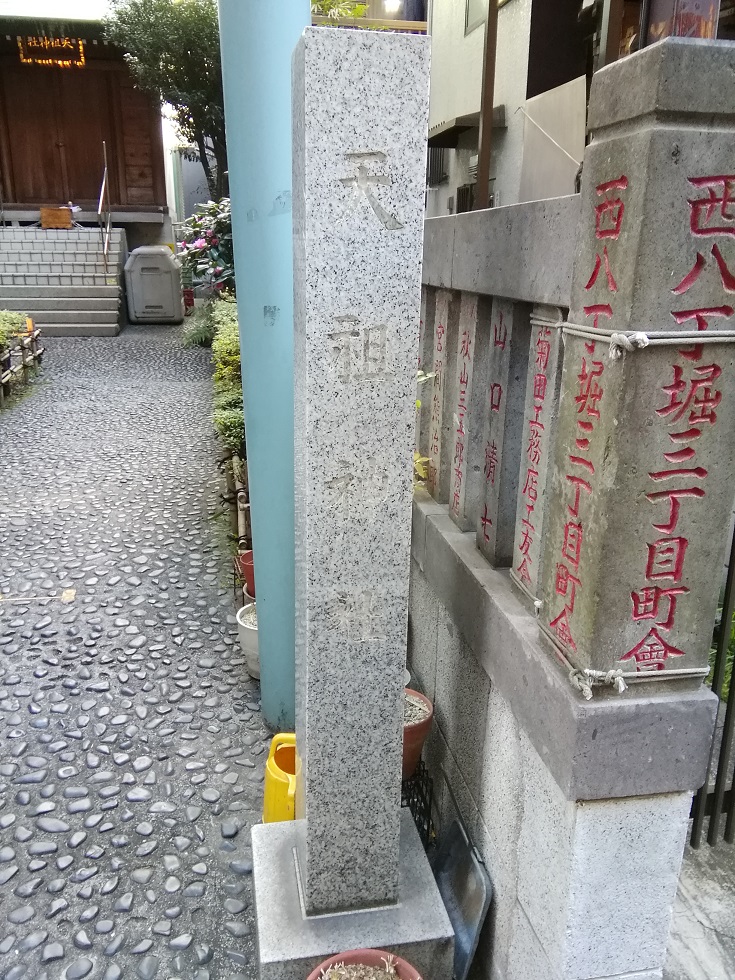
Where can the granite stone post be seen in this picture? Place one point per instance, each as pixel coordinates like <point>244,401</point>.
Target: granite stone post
<point>539,424</point>
<point>360,103</point>
<point>351,872</point>
<point>509,340</point>
<point>425,390</point>
<point>641,489</point>
<point>444,356</point>
<point>467,400</point>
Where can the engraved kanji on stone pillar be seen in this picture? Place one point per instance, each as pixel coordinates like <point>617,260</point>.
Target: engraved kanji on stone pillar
<point>539,422</point>
<point>467,403</point>
<point>641,491</point>
<point>358,191</point>
<point>503,429</point>
<point>441,423</point>
<point>425,390</point>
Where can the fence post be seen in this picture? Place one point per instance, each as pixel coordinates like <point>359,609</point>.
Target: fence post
<point>643,469</point>
<point>510,332</point>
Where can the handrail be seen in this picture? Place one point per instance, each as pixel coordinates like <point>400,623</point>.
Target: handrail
<point>104,215</point>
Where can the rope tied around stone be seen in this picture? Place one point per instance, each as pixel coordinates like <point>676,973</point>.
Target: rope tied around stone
<point>585,680</point>
<point>620,342</point>
<point>580,683</point>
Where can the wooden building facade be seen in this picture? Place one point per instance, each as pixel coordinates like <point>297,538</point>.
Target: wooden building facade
<point>63,91</point>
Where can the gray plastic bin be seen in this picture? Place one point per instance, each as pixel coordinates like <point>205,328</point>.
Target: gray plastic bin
<point>153,286</point>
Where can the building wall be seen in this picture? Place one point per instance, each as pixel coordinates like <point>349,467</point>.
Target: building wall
<point>456,62</point>
<point>456,81</point>
<point>511,72</point>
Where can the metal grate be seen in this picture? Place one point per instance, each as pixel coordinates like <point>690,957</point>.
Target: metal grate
<point>436,171</point>
<point>417,793</point>
<point>718,801</point>
<point>465,198</point>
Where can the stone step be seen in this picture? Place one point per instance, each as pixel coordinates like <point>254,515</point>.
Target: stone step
<point>56,234</point>
<point>73,316</point>
<point>26,293</point>
<point>41,304</point>
<point>59,279</point>
<point>36,252</point>
<point>53,268</point>
<point>78,329</point>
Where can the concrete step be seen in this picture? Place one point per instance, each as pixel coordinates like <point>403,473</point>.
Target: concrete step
<point>56,234</point>
<point>60,303</point>
<point>73,316</point>
<point>59,279</point>
<point>36,254</point>
<point>53,268</point>
<point>25,293</point>
<point>78,329</point>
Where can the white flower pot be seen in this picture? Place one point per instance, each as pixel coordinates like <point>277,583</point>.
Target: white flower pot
<point>249,641</point>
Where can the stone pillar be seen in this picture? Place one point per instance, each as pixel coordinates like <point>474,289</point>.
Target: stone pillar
<point>643,460</point>
<point>425,390</point>
<point>350,871</point>
<point>466,410</point>
<point>503,429</point>
<point>539,424</point>
<point>360,102</point>
<point>441,427</point>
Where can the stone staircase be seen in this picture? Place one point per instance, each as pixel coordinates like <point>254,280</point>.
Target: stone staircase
<point>58,277</point>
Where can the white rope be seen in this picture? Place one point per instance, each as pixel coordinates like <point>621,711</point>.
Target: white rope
<point>629,342</point>
<point>668,338</point>
<point>584,680</point>
<point>577,163</point>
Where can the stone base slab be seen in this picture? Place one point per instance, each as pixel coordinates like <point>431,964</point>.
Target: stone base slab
<point>291,944</point>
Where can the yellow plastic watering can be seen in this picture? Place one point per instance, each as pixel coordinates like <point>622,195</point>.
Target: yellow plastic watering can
<point>280,779</point>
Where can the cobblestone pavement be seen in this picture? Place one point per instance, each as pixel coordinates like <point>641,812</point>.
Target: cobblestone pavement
<point>131,742</point>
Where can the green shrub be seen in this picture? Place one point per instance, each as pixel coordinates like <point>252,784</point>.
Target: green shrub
<point>228,416</point>
<point>11,324</point>
<point>226,346</point>
<point>230,426</point>
<point>228,398</point>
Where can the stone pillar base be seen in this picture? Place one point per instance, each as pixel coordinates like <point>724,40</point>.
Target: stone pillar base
<point>291,944</point>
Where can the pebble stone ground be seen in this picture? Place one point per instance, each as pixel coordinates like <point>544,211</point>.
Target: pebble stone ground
<point>131,742</point>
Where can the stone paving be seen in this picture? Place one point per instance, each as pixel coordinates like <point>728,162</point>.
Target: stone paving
<point>131,742</point>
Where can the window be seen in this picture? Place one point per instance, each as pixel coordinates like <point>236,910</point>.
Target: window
<point>475,14</point>
<point>436,171</point>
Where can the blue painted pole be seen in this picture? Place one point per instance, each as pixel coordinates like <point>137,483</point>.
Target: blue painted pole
<point>258,38</point>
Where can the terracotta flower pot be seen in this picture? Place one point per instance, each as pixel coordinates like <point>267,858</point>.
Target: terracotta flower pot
<point>245,566</point>
<point>414,737</point>
<point>368,957</point>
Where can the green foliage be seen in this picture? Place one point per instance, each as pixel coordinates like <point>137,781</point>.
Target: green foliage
<point>226,347</point>
<point>337,9</point>
<point>173,49</point>
<point>227,399</point>
<point>228,416</point>
<point>206,246</point>
<point>729,659</point>
<point>200,327</point>
<point>11,324</point>
<point>230,426</point>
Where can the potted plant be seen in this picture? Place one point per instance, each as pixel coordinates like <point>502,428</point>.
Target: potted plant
<point>418,713</point>
<point>247,628</point>
<point>365,964</point>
